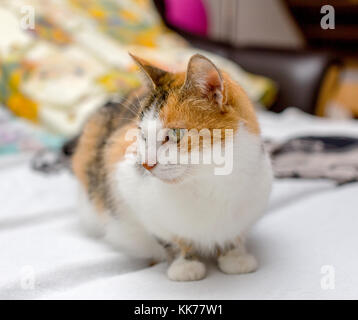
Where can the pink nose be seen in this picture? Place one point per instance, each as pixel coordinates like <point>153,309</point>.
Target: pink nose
<point>149,167</point>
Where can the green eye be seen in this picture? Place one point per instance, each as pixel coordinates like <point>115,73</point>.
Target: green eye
<point>175,135</point>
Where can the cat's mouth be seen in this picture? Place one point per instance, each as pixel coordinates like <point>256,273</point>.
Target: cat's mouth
<point>168,173</point>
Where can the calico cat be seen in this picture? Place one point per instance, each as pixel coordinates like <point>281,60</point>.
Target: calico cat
<point>171,210</point>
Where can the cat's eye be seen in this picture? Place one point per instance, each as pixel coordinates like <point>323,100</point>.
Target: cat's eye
<point>175,135</point>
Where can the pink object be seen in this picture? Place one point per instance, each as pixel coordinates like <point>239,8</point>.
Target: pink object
<point>189,15</point>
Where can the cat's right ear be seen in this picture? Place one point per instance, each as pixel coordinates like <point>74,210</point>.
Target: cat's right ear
<point>152,74</point>
<point>204,79</point>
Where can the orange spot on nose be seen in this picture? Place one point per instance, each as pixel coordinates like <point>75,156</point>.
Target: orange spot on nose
<point>149,167</point>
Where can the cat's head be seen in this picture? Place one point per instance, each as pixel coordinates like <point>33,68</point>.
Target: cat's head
<point>185,111</point>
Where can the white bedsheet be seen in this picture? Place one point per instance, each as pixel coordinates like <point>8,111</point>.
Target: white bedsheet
<point>309,224</point>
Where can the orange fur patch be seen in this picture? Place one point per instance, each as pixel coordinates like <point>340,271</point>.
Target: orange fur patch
<point>118,146</point>
<point>195,113</point>
<point>87,147</point>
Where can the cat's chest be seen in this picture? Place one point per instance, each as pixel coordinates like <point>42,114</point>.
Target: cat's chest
<point>195,210</point>
<point>187,210</point>
<point>191,200</point>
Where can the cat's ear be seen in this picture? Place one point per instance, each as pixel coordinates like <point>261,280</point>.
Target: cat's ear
<point>204,78</point>
<point>152,74</point>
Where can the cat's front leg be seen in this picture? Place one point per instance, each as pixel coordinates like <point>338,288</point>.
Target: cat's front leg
<point>186,265</point>
<point>236,260</point>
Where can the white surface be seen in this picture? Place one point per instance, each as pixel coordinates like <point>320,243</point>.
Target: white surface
<point>309,224</point>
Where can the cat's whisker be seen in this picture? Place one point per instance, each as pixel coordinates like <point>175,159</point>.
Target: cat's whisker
<point>128,108</point>
<point>123,118</point>
<point>140,103</point>
<point>133,108</point>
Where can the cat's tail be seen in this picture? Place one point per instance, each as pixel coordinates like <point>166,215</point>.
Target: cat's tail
<point>52,161</point>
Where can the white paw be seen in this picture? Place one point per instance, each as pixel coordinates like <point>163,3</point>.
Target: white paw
<point>186,270</point>
<point>235,263</point>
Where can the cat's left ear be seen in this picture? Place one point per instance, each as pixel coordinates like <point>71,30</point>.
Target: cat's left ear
<point>204,77</point>
<point>152,73</point>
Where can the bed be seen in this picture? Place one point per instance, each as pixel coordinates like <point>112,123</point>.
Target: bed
<point>305,243</point>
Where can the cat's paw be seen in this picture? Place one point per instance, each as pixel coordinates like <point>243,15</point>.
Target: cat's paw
<point>237,263</point>
<point>186,270</point>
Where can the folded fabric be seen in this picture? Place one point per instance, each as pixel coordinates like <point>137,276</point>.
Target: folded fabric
<point>317,157</point>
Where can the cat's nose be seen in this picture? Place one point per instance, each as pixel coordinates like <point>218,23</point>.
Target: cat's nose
<point>149,167</point>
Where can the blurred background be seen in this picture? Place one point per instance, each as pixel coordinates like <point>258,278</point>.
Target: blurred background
<point>62,59</point>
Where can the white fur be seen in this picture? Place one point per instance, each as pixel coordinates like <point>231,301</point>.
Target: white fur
<point>186,270</point>
<point>235,262</point>
<point>89,218</point>
<point>123,232</point>
<point>204,208</point>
